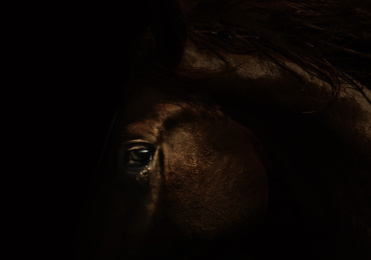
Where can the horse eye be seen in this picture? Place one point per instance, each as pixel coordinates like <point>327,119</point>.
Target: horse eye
<point>138,157</point>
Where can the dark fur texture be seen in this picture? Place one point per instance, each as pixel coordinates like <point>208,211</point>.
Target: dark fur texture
<point>328,39</point>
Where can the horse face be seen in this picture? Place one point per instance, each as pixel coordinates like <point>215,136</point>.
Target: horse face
<point>187,171</point>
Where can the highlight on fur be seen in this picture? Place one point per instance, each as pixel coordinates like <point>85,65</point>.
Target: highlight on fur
<point>328,39</point>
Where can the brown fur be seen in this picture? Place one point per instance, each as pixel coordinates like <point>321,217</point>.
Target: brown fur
<point>239,97</point>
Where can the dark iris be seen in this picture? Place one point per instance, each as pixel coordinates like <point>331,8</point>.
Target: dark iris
<point>138,157</point>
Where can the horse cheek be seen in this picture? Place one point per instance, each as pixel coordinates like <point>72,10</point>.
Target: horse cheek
<point>214,192</point>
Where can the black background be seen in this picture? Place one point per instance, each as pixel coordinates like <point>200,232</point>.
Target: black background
<point>93,70</point>
<point>75,62</point>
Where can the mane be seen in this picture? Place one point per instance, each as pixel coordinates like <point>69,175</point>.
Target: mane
<point>327,39</point>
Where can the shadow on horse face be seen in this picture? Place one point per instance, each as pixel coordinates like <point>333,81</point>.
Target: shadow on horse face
<point>186,172</point>
<point>185,178</point>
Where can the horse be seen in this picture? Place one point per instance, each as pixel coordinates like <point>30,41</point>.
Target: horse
<point>244,133</point>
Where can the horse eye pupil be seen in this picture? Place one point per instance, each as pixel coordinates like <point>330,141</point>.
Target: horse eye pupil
<point>140,156</point>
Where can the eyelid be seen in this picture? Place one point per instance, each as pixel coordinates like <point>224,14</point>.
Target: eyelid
<point>136,141</point>
<point>139,142</point>
<point>137,147</point>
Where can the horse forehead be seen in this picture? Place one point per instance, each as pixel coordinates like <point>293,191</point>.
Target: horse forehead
<point>148,121</point>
